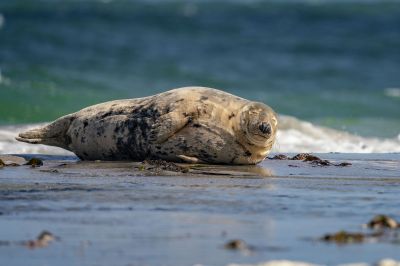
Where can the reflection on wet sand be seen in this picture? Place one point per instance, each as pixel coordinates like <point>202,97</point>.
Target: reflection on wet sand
<point>161,168</point>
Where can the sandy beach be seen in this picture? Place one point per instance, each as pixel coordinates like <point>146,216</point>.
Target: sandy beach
<point>127,213</point>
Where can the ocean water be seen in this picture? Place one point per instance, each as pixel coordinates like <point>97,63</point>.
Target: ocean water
<point>330,68</point>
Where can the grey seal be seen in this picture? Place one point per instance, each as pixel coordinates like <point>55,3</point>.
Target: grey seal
<point>191,124</point>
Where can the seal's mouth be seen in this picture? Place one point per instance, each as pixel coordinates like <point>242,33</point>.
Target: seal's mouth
<point>263,136</point>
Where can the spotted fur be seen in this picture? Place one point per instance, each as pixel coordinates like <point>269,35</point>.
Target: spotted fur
<point>195,122</point>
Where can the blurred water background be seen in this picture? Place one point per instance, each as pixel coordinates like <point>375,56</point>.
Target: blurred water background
<point>332,66</point>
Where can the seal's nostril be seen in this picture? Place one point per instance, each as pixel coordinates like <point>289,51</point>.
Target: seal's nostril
<point>265,128</point>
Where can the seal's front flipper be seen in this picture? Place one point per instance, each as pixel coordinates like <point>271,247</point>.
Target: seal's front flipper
<point>168,125</point>
<point>189,159</point>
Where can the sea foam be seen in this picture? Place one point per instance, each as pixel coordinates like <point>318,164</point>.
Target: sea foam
<point>294,135</point>
<point>383,262</point>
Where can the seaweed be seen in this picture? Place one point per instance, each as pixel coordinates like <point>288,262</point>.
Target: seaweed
<point>280,157</point>
<point>35,162</point>
<point>383,221</point>
<point>42,240</point>
<point>312,159</point>
<point>161,165</point>
<point>343,237</point>
<point>385,230</point>
<point>320,162</point>
<point>236,244</point>
<point>306,157</point>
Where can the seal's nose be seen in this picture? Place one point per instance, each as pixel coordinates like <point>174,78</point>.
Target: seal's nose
<point>265,128</point>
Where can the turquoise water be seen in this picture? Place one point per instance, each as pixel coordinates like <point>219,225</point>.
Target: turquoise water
<point>333,63</point>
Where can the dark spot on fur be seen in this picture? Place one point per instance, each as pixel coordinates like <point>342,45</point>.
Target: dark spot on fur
<point>183,147</point>
<point>203,98</point>
<point>180,100</point>
<point>139,126</point>
<point>100,131</point>
<point>85,124</point>
<point>68,140</point>
<point>196,125</point>
<point>247,153</point>
<point>231,116</point>
<point>220,144</point>
<point>105,114</point>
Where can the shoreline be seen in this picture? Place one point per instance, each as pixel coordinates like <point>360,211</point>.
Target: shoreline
<point>121,213</point>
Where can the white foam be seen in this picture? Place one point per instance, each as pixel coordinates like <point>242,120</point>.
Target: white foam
<point>1,20</point>
<point>383,262</point>
<point>294,135</point>
<point>278,263</point>
<point>392,92</point>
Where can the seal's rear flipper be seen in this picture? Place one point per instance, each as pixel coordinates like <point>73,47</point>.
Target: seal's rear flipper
<point>53,134</point>
<point>27,140</point>
<point>33,136</point>
<point>37,136</point>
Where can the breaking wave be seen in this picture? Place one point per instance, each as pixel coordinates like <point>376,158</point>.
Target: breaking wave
<point>295,135</point>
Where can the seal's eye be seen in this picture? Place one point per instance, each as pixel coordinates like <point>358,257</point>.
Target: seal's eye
<point>265,128</point>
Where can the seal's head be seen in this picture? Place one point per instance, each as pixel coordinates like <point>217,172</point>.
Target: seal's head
<point>258,124</point>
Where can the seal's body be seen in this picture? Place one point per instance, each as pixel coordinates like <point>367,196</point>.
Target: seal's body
<point>192,124</point>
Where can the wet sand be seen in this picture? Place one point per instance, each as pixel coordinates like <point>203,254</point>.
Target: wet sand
<point>133,214</point>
